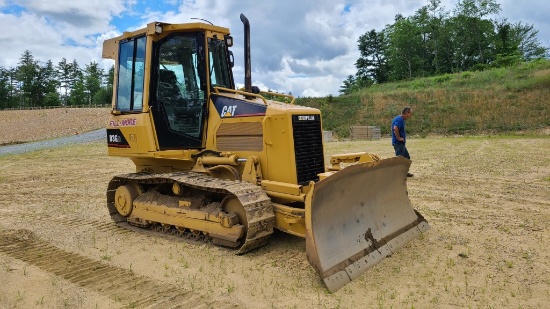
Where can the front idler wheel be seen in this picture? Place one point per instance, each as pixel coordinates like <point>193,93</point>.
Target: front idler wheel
<point>124,199</point>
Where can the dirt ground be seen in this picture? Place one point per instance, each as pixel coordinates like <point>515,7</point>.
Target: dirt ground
<point>18,126</point>
<point>486,198</point>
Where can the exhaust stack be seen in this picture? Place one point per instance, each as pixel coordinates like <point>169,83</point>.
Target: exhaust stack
<point>247,66</point>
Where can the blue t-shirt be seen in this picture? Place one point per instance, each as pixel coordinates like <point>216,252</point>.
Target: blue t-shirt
<point>400,123</point>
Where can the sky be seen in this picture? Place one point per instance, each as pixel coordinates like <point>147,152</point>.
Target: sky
<point>307,47</point>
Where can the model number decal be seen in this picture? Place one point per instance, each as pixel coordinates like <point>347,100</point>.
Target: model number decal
<point>306,118</point>
<point>114,139</point>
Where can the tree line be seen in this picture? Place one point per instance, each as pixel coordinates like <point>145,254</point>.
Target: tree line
<point>435,42</point>
<point>35,84</point>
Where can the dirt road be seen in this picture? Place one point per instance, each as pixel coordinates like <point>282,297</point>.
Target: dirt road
<point>487,200</point>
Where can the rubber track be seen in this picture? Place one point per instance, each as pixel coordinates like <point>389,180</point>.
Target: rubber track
<point>102,278</point>
<point>258,206</point>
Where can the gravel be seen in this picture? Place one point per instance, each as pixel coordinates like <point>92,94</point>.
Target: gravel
<point>56,142</point>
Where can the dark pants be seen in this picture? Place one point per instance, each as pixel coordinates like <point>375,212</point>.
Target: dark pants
<point>401,150</point>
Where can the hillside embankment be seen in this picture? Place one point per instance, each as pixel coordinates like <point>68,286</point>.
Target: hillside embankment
<point>21,126</point>
<point>496,101</point>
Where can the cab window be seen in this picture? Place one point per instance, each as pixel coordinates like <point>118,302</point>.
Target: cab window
<point>220,70</point>
<point>131,72</point>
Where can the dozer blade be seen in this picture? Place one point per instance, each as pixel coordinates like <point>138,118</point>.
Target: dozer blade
<point>357,217</point>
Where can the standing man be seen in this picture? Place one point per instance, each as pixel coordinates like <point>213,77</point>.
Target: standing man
<point>398,135</point>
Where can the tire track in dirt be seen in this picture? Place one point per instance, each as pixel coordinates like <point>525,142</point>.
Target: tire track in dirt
<point>489,189</point>
<point>68,220</point>
<point>522,203</point>
<point>121,285</point>
<point>99,226</point>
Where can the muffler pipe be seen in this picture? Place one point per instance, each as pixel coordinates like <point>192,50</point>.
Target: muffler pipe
<point>247,66</point>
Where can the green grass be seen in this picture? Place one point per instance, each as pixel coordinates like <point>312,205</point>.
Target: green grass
<point>495,101</point>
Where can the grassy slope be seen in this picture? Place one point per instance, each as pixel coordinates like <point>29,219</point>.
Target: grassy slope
<point>492,101</point>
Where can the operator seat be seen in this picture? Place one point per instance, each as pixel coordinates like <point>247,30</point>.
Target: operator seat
<point>168,90</point>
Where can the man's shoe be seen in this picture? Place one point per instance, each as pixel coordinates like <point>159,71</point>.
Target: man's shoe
<point>410,175</point>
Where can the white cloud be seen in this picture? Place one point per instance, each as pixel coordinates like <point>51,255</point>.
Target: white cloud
<point>78,20</point>
<point>37,36</point>
<point>304,47</point>
<point>56,29</point>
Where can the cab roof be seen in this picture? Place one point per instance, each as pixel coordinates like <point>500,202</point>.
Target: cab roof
<point>109,46</point>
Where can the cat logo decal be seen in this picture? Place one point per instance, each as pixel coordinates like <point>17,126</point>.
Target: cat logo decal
<point>232,108</point>
<point>228,111</point>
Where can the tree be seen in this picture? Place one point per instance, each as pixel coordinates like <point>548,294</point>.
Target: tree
<point>436,35</point>
<point>63,71</point>
<point>38,83</point>
<point>404,49</point>
<point>103,96</point>
<point>110,76</point>
<point>473,33</point>
<point>506,46</point>
<point>347,87</point>
<point>434,41</point>
<point>69,74</point>
<point>78,94</point>
<point>26,73</point>
<point>373,65</point>
<point>15,94</point>
<point>5,89</point>
<point>529,45</point>
<point>93,79</point>
<point>46,86</point>
<point>75,76</point>
<point>33,83</point>
<point>422,19</point>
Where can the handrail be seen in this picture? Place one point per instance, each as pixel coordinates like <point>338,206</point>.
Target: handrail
<point>244,93</point>
<point>281,95</point>
<point>249,94</point>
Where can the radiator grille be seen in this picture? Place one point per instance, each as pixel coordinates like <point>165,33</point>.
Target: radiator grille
<point>308,147</point>
<point>242,136</point>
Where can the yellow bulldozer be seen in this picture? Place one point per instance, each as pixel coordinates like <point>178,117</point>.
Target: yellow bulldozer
<point>228,166</point>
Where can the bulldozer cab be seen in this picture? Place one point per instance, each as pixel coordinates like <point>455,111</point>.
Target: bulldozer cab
<point>176,85</point>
